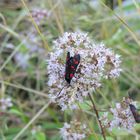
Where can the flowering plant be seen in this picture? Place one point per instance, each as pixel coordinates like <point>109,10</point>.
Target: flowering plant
<point>122,116</point>
<point>97,62</point>
<point>74,131</point>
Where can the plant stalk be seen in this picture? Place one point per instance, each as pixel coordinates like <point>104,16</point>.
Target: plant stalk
<point>98,118</point>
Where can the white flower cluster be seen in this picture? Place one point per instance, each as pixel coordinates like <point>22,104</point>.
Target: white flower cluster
<point>39,15</point>
<point>31,47</point>
<point>96,62</point>
<point>122,116</point>
<point>5,103</point>
<point>22,59</point>
<point>74,131</point>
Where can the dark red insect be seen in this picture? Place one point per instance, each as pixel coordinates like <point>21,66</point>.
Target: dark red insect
<point>71,66</point>
<point>135,113</point>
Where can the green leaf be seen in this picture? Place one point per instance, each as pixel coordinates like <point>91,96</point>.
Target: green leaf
<point>23,49</point>
<point>15,111</point>
<point>50,125</point>
<point>40,136</point>
<point>86,105</point>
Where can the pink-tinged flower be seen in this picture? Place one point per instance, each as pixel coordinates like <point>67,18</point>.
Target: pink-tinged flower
<point>122,116</point>
<point>96,63</point>
<point>22,59</point>
<point>74,131</point>
<point>5,103</point>
<point>31,48</point>
<point>39,15</point>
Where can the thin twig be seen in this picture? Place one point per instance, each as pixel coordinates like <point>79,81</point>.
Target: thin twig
<point>97,115</point>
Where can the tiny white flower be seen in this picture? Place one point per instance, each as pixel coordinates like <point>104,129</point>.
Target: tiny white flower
<point>74,131</point>
<point>39,15</point>
<point>96,63</point>
<point>22,59</point>
<point>122,117</point>
<point>5,103</point>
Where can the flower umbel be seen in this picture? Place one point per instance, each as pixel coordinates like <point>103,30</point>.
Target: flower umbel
<point>96,63</point>
<point>74,131</point>
<point>122,116</point>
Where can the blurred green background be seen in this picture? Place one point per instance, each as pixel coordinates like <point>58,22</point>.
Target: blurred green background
<point>24,49</point>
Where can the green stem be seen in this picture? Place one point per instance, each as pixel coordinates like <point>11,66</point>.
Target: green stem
<point>97,115</point>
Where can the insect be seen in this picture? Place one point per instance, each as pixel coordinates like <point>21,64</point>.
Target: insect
<point>135,113</point>
<point>71,66</point>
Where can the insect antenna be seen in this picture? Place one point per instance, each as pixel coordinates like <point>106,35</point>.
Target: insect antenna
<point>62,89</point>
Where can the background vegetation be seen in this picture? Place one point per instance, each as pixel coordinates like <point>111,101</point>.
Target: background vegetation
<point>117,25</point>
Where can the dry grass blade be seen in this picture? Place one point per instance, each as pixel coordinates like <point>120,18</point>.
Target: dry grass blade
<point>36,26</point>
<point>6,28</point>
<point>124,23</point>
<point>24,88</point>
<point>10,57</point>
<point>31,121</point>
